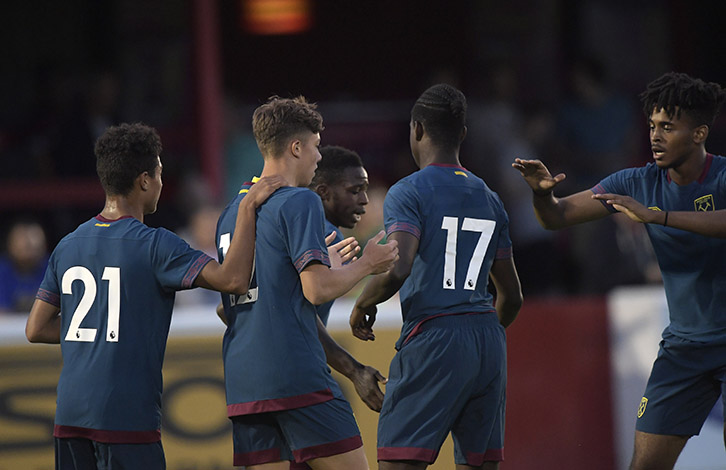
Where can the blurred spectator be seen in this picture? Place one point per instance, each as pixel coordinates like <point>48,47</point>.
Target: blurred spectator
<point>498,132</point>
<point>199,233</point>
<point>596,125</point>
<point>596,135</point>
<point>242,158</point>
<point>23,266</point>
<point>94,109</point>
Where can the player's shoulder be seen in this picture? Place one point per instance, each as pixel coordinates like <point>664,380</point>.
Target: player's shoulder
<point>648,171</point>
<point>718,162</point>
<point>296,197</point>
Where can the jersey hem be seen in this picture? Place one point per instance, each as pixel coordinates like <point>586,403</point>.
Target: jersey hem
<point>407,453</point>
<point>328,449</point>
<point>279,404</point>
<point>106,436</point>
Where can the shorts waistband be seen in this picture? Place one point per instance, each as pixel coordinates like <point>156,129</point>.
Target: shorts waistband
<point>452,321</point>
<point>460,320</point>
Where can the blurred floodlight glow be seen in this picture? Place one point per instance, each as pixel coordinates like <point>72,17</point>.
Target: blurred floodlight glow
<point>271,17</point>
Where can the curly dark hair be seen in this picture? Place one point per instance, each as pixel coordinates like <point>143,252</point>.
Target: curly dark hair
<point>442,111</point>
<point>677,93</point>
<point>335,160</point>
<point>124,152</point>
<point>281,119</point>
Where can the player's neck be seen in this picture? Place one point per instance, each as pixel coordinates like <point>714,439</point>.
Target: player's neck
<point>690,169</point>
<point>280,166</point>
<point>440,158</point>
<point>119,206</point>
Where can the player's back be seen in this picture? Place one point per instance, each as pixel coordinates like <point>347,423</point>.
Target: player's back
<point>116,281</point>
<point>462,227</point>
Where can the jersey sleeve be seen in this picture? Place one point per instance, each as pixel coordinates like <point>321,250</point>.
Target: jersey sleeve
<point>401,210</point>
<point>616,183</point>
<point>49,290</point>
<point>302,220</point>
<point>175,263</point>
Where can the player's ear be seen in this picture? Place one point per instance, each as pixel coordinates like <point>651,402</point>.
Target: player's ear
<point>700,134</point>
<point>143,180</point>
<point>462,136</point>
<point>295,146</point>
<point>418,130</point>
<point>323,191</point>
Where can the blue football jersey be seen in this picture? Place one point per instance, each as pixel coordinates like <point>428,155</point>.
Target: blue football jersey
<point>462,227</point>
<point>114,281</point>
<point>273,358</point>
<point>691,265</point>
<point>324,309</point>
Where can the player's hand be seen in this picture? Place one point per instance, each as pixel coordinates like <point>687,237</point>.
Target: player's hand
<point>341,252</point>
<point>537,175</point>
<point>380,257</point>
<point>262,189</point>
<point>632,208</point>
<point>366,380</point>
<point>361,322</point>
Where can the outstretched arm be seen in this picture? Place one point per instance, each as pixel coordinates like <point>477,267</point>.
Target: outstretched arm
<point>382,287</point>
<point>555,213</point>
<point>365,379</point>
<point>234,274</point>
<point>708,223</point>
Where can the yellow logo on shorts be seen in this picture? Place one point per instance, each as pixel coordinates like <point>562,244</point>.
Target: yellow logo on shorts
<point>641,408</point>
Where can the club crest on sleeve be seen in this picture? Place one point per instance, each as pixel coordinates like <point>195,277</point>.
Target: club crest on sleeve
<point>704,203</point>
<point>641,408</point>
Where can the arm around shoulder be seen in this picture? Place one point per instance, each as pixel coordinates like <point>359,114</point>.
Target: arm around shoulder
<point>234,274</point>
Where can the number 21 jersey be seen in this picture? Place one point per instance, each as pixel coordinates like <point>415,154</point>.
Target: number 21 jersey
<point>114,281</point>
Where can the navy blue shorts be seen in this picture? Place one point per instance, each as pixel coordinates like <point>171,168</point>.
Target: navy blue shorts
<point>686,381</point>
<point>85,454</point>
<point>450,377</point>
<point>298,435</point>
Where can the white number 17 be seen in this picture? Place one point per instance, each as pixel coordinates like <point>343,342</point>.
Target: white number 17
<point>451,225</point>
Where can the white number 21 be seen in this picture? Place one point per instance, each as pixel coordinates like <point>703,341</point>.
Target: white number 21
<point>451,225</point>
<point>80,273</point>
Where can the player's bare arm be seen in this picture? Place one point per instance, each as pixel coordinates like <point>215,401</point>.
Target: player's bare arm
<point>382,287</point>
<point>508,288</point>
<point>220,313</point>
<point>321,284</point>
<point>708,223</point>
<point>233,276</point>
<point>44,323</point>
<point>365,379</point>
<point>555,213</point>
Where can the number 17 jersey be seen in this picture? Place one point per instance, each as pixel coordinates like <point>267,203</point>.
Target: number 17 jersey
<point>462,227</point>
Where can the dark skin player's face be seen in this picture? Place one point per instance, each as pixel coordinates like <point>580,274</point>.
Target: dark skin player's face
<point>672,139</point>
<point>345,201</point>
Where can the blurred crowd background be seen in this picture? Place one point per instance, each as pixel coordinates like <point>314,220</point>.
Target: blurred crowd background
<point>551,79</point>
